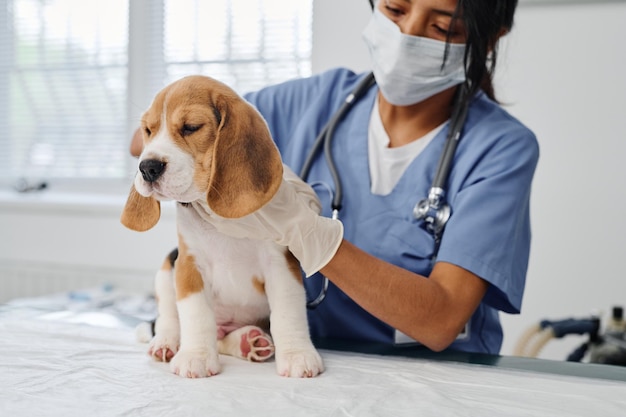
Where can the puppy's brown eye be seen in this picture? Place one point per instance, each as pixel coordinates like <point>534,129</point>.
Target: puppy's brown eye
<point>187,130</point>
<point>148,132</point>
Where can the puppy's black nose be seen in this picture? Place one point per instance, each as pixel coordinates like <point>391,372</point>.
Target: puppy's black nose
<point>151,169</point>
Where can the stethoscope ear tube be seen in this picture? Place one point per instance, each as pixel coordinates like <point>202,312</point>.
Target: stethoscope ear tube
<point>433,210</point>
<point>324,139</point>
<point>325,136</point>
<point>457,121</point>
<point>320,296</point>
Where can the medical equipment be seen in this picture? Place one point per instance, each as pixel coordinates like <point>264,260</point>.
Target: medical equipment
<point>433,210</point>
<point>604,348</point>
<point>326,136</point>
<point>324,139</point>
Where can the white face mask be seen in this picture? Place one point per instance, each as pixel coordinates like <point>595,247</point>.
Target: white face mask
<point>408,68</point>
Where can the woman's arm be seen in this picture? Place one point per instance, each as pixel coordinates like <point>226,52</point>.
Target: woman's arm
<point>431,310</point>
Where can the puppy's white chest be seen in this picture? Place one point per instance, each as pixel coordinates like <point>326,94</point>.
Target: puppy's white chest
<point>212,248</point>
<point>233,268</point>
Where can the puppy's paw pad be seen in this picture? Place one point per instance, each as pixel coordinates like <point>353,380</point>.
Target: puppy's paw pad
<point>256,345</point>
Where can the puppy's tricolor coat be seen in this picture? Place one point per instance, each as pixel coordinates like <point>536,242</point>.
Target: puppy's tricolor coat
<point>209,150</point>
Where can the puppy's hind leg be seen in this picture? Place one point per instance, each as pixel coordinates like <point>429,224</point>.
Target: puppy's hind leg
<point>249,343</point>
<point>166,340</point>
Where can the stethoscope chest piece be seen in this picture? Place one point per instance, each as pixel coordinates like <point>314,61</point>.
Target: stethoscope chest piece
<point>434,211</point>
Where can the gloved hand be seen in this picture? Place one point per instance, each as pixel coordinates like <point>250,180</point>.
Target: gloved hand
<point>291,218</point>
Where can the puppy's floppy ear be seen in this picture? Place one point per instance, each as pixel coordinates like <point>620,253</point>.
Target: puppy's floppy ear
<point>140,213</point>
<point>246,168</point>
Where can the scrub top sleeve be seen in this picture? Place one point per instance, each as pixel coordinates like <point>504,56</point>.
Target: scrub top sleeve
<point>284,105</point>
<point>489,230</point>
<point>277,106</point>
<point>313,99</point>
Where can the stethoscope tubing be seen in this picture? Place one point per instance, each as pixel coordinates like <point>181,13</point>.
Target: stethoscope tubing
<point>325,138</point>
<point>457,121</point>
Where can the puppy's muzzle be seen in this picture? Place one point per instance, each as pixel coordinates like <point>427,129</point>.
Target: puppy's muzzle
<point>151,169</point>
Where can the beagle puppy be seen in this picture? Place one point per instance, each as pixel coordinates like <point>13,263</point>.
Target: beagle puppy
<point>209,150</point>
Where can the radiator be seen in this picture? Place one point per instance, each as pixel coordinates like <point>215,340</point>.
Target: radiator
<point>28,279</point>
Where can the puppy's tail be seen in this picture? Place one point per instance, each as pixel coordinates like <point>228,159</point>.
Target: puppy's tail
<point>144,332</point>
<point>173,255</point>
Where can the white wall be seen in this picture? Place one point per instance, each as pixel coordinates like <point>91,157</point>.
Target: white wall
<point>561,73</point>
<point>564,77</point>
<point>51,241</point>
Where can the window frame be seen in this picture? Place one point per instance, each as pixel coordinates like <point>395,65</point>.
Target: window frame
<point>146,68</point>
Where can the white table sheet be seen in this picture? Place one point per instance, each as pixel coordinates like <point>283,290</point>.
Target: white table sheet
<point>51,365</point>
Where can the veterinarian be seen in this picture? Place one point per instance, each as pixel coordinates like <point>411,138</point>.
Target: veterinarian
<point>392,278</point>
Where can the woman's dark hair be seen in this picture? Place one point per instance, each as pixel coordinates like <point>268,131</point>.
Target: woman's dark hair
<point>484,22</point>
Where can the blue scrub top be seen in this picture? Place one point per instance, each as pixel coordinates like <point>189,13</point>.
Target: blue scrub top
<point>488,191</point>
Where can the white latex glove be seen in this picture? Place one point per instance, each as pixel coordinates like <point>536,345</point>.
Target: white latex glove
<point>290,219</point>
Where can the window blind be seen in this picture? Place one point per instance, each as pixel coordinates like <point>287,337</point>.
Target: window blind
<point>246,44</point>
<point>66,73</point>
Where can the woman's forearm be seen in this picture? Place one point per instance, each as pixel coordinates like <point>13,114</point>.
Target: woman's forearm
<point>431,310</point>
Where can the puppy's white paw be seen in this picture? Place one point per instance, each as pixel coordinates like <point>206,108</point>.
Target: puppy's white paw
<point>164,345</point>
<point>304,363</point>
<point>195,363</point>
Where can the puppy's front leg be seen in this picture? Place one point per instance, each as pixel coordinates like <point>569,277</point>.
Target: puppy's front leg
<point>198,355</point>
<point>295,354</point>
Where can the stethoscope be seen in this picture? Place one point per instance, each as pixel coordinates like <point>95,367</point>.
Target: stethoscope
<point>433,210</point>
